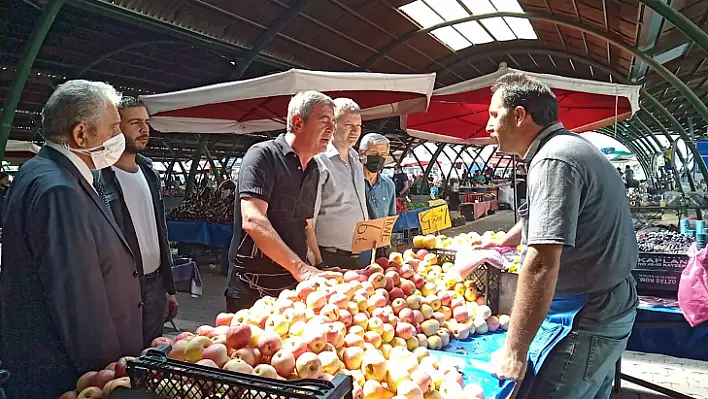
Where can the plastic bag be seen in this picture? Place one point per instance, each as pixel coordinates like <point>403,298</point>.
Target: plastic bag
<point>693,287</point>
<point>468,259</point>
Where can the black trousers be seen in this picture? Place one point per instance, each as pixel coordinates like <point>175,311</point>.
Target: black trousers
<point>341,260</point>
<point>154,307</point>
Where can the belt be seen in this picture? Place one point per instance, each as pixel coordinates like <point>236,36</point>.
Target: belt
<point>152,275</point>
<point>337,251</point>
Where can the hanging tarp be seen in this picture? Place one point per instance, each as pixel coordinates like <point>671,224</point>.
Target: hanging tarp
<point>260,104</point>
<point>458,113</point>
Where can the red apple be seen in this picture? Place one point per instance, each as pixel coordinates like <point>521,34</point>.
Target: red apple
<point>224,319</point>
<point>268,343</point>
<point>91,393</point>
<point>351,275</point>
<point>395,277</point>
<point>383,262</point>
<point>418,281</point>
<point>378,280</point>
<point>103,377</point>
<point>315,339</point>
<point>86,380</point>
<point>208,363</point>
<point>69,395</point>
<point>184,335</point>
<point>305,288</point>
<point>421,253</point>
<point>217,353</point>
<point>345,317</point>
<point>406,271</point>
<point>295,345</point>
<point>220,330</point>
<point>122,366</point>
<point>405,330</point>
<point>205,330</point>
<point>284,362</point>
<point>161,341</point>
<point>308,365</point>
<point>396,293</point>
<point>238,336</point>
<point>248,355</point>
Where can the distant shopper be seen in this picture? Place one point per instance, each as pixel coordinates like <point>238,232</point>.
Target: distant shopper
<point>69,289</point>
<point>132,187</point>
<point>629,176</point>
<point>277,190</point>
<point>401,181</point>
<point>341,200</point>
<point>380,190</point>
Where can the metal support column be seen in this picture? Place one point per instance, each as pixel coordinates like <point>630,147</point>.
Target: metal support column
<point>196,157</point>
<point>433,159</point>
<point>680,21</point>
<point>679,129</point>
<point>212,164</point>
<point>12,99</point>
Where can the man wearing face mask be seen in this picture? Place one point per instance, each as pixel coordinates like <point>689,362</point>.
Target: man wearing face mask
<point>341,200</point>
<point>380,190</point>
<point>132,187</point>
<point>69,292</point>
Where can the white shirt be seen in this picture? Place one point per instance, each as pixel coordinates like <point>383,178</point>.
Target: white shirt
<point>78,162</point>
<point>138,199</point>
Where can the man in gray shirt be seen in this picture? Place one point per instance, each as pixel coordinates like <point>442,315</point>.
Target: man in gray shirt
<point>580,242</point>
<point>341,200</point>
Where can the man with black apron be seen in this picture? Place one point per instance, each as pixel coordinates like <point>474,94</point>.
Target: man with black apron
<point>576,299</point>
<point>277,189</point>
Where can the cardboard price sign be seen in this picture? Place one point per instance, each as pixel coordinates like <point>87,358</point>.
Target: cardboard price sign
<point>372,234</point>
<point>437,202</point>
<point>434,219</point>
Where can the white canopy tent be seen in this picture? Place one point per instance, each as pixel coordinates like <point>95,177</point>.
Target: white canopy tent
<point>260,104</point>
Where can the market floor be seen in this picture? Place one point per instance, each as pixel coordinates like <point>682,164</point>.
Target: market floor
<point>687,376</point>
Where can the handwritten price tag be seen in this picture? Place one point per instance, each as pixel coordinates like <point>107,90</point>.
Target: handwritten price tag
<point>434,219</point>
<point>371,234</point>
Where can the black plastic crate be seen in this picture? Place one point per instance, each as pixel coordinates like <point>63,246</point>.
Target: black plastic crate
<point>657,280</point>
<point>155,373</point>
<point>662,261</point>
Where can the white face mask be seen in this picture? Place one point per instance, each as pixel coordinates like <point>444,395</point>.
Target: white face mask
<point>107,154</point>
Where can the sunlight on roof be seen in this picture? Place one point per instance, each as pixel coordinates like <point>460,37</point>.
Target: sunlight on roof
<point>428,13</point>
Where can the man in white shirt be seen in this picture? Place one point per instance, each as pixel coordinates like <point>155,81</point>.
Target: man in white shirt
<point>133,191</point>
<point>341,200</point>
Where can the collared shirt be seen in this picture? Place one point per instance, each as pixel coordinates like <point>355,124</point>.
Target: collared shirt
<point>341,199</point>
<point>381,197</point>
<point>78,162</point>
<point>577,200</point>
<point>271,171</point>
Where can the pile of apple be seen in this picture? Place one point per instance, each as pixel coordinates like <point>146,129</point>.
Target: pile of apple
<point>375,324</point>
<point>431,241</point>
<point>100,384</point>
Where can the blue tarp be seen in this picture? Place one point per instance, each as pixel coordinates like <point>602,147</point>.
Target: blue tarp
<point>408,220</point>
<point>464,354</point>
<point>212,235</point>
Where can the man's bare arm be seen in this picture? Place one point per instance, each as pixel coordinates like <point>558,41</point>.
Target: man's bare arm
<point>312,242</point>
<point>511,239</point>
<point>256,224</point>
<point>534,294</point>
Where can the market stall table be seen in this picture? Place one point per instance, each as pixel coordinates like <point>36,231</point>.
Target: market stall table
<point>660,327</point>
<point>200,232</point>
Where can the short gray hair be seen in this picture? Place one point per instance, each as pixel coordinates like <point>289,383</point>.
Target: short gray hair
<point>75,102</point>
<point>303,104</point>
<point>373,139</point>
<point>343,104</point>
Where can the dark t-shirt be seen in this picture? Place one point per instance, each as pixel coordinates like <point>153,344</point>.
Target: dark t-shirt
<point>399,179</point>
<point>271,171</point>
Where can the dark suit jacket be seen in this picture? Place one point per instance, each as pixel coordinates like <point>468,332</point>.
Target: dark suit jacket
<point>120,211</point>
<point>69,289</point>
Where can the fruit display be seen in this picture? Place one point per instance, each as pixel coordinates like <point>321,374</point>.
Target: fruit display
<point>376,325</point>
<point>210,205</point>
<point>401,205</point>
<point>431,241</point>
<point>417,205</point>
<point>663,240</point>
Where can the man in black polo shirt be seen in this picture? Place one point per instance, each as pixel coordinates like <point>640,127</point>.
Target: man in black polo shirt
<point>277,188</point>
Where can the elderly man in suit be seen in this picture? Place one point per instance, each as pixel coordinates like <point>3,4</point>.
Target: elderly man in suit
<point>69,288</point>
